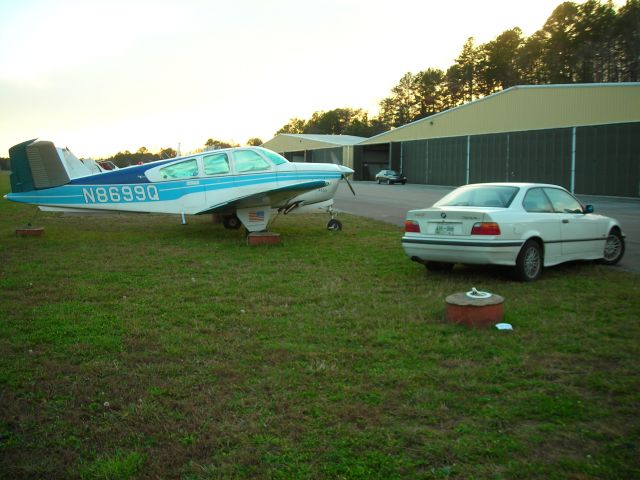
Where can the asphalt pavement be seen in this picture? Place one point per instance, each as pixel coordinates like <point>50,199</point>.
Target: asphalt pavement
<point>389,203</point>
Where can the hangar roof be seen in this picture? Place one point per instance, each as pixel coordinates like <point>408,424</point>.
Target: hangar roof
<point>527,107</point>
<point>289,142</point>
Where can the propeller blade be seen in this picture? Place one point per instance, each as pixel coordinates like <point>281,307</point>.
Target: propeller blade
<point>344,177</point>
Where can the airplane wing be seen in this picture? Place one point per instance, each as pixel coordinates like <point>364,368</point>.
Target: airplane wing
<point>274,197</point>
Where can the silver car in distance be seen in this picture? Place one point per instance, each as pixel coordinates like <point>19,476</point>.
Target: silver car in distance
<point>525,225</point>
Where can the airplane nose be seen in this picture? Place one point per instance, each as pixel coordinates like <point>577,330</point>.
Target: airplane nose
<point>346,170</point>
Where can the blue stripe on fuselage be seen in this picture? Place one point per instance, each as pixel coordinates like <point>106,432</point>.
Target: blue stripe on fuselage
<point>81,192</point>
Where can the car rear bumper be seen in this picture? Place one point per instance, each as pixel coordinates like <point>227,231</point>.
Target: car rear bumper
<point>437,249</point>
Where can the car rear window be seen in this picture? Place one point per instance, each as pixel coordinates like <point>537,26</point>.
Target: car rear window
<point>480,196</point>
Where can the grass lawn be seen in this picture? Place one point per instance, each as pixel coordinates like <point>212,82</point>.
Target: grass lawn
<point>135,347</point>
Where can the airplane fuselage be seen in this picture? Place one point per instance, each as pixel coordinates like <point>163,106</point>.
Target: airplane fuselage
<point>221,181</point>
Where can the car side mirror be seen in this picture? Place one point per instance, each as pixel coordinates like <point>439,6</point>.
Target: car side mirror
<point>588,209</point>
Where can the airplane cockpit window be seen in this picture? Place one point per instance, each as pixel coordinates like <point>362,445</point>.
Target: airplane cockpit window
<point>273,156</point>
<point>216,164</point>
<point>186,169</point>
<point>249,161</point>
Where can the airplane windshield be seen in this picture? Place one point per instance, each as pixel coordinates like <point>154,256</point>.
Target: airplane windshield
<point>249,161</point>
<point>273,156</point>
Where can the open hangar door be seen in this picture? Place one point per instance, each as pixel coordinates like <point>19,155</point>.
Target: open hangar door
<point>326,155</point>
<point>295,156</point>
<point>368,160</point>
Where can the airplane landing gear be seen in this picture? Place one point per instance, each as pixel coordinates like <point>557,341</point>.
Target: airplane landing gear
<point>231,222</point>
<point>334,224</point>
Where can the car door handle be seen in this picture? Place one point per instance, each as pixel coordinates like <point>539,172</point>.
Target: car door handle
<point>565,221</point>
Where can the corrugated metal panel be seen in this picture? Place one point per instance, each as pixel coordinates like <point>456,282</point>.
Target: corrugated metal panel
<point>325,155</point>
<point>415,160</point>
<point>530,107</point>
<point>447,161</point>
<point>347,156</point>
<point>608,160</point>
<point>489,158</point>
<point>541,156</point>
<point>358,154</point>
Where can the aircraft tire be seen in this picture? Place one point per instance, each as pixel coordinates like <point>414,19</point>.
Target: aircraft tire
<point>334,225</point>
<point>231,222</point>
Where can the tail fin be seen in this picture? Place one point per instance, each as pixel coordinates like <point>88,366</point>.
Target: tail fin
<point>36,165</point>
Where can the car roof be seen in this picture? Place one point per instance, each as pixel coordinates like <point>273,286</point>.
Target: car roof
<point>514,184</point>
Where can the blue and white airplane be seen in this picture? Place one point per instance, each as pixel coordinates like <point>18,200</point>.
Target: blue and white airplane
<point>244,185</point>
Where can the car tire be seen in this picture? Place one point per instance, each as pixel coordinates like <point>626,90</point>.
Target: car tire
<point>530,262</point>
<point>379,181</point>
<point>613,248</point>
<point>439,267</point>
<point>404,182</point>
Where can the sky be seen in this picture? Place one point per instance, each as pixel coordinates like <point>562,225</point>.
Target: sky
<point>106,76</point>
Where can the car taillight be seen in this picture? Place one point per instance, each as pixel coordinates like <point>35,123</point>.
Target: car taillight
<point>411,226</point>
<point>485,228</point>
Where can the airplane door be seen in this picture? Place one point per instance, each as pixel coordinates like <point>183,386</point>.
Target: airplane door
<point>218,182</point>
<point>253,174</point>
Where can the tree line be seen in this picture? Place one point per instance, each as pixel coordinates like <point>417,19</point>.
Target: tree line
<point>587,43</point>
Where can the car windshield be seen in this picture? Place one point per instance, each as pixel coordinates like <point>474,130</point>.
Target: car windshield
<point>479,196</point>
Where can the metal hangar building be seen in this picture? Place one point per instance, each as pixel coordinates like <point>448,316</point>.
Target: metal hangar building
<point>585,137</point>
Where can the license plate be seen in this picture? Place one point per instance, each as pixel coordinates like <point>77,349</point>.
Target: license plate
<point>444,229</point>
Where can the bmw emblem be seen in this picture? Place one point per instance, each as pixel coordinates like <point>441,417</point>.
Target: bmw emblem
<point>443,215</point>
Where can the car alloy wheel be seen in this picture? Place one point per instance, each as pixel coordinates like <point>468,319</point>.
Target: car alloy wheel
<point>529,262</point>
<point>613,248</point>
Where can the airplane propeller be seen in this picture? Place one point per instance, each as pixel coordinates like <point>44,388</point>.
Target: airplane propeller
<point>344,177</point>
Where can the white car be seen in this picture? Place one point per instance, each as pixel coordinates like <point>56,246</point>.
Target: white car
<point>526,225</point>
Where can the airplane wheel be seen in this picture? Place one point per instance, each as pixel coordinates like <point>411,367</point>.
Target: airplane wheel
<point>231,222</point>
<point>334,225</point>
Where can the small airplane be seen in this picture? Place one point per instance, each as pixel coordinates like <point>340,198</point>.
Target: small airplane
<point>244,185</point>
